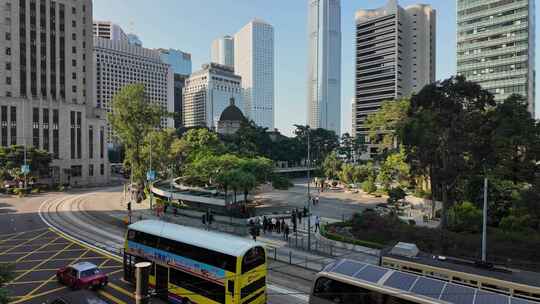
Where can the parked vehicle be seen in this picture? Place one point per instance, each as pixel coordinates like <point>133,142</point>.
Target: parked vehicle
<point>81,276</point>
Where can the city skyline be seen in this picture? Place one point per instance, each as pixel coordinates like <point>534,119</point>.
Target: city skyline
<point>289,19</point>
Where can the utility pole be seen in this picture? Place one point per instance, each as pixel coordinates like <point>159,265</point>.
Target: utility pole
<point>308,190</point>
<point>484,223</point>
<point>151,193</point>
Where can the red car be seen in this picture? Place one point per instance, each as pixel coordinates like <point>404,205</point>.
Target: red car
<point>81,276</point>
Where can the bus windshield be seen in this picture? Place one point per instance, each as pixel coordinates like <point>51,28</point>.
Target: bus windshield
<point>253,258</point>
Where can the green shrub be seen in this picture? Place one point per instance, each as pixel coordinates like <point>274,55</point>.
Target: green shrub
<point>514,223</point>
<point>368,186</point>
<point>281,182</point>
<point>464,217</point>
<point>19,192</point>
<point>35,191</point>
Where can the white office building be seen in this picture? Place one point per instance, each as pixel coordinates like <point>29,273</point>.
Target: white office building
<point>254,62</point>
<point>324,66</point>
<point>46,87</point>
<point>109,30</point>
<point>223,51</point>
<point>207,93</point>
<point>395,57</point>
<point>120,63</point>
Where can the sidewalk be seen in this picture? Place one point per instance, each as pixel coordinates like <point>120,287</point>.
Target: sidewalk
<point>295,251</point>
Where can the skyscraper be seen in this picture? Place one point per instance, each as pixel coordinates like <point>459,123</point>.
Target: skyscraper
<point>47,88</point>
<point>254,62</point>
<point>207,93</point>
<point>496,46</point>
<point>324,67</point>
<point>109,30</point>
<point>395,57</point>
<point>180,61</point>
<point>223,51</point>
<point>119,63</point>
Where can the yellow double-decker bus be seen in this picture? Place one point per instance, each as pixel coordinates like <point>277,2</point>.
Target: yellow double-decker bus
<point>190,265</point>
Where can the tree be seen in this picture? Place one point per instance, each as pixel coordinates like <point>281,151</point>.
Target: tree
<point>385,124</point>
<point>157,150</point>
<point>465,217</point>
<point>394,170</point>
<point>395,195</point>
<point>346,147</point>
<point>322,142</point>
<point>332,166</point>
<point>12,158</point>
<point>346,175</point>
<point>442,133</point>
<point>132,119</point>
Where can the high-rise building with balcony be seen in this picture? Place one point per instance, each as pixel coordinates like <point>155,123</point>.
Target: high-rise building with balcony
<point>395,57</point>
<point>496,46</point>
<point>254,62</point>
<point>47,88</point>
<point>207,93</point>
<point>119,63</point>
<point>324,66</point>
<point>223,51</point>
<point>109,30</point>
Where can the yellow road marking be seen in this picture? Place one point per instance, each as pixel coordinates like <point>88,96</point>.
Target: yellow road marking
<point>29,295</point>
<point>33,251</point>
<point>121,290</point>
<point>111,297</point>
<point>19,245</point>
<point>42,262</point>
<point>18,233</point>
<point>74,240</point>
<point>48,251</point>
<point>27,282</point>
<point>60,259</point>
<point>54,269</point>
<point>50,244</point>
<point>23,299</point>
<point>116,271</point>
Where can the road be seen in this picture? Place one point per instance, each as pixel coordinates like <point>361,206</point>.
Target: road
<point>332,204</point>
<point>67,213</point>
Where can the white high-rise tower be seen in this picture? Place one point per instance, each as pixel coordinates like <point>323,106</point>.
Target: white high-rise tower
<point>223,51</point>
<point>324,67</point>
<point>254,62</point>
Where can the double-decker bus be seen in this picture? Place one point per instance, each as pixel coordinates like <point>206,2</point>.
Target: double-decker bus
<point>353,282</point>
<point>190,265</point>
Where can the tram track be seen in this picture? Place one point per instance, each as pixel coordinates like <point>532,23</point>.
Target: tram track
<point>68,215</point>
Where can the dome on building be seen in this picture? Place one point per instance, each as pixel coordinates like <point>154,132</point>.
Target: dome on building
<point>232,113</point>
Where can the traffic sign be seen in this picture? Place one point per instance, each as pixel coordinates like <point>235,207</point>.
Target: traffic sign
<point>25,169</point>
<point>151,175</point>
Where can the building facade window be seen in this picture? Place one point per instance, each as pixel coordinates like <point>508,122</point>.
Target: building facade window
<point>79,135</point>
<point>46,129</point>
<point>35,127</point>
<point>90,142</point>
<point>91,170</point>
<point>72,134</point>
<point>56,144</point>
<point>76,171</point>
<point>13,124</point>
<point>101,142</point>
<point>102,169</point>
<point>4,126</point>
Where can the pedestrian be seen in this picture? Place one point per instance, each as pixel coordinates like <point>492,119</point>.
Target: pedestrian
<point>273,227</point>
<point>294,226</point>
<point>299,216</point>
<point>265,224</point>
<point>293,215</point>
<point>317,200</point>
<point>165,208</point>
<point>317,223</point>
<point>175,211</point>
<point>278,226</point>
<point>286,232</point>
<point>283,225</point>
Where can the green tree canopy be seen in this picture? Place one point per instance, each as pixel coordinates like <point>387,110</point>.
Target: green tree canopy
<point>132,119</point>
<point>332,166</point>
<point>12,158</point>
<point>385,124</point>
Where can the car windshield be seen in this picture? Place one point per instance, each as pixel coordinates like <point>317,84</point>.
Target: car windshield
<point>89,272</point>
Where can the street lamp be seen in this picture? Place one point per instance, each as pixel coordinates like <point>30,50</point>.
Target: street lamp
<point>308,188</point>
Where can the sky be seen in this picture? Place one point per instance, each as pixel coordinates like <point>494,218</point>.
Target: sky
<point>191,25</point>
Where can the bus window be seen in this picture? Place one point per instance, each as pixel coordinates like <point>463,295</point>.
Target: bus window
<point>253,258</point>
<point>197,285</point>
